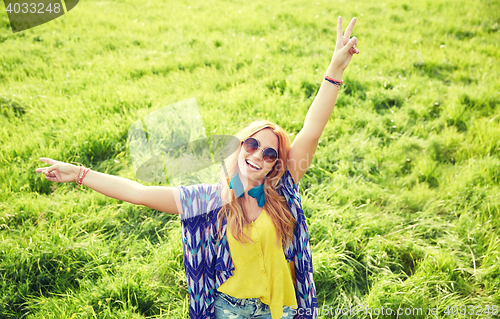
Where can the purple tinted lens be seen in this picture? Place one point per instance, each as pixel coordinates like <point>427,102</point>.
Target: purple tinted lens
<point>251,145</point>
<point>269,155</point>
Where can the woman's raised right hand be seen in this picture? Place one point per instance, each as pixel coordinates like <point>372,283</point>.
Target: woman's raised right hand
<point>59,171</point>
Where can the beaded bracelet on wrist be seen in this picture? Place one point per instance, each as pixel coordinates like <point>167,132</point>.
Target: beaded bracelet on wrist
<point>81,175</point>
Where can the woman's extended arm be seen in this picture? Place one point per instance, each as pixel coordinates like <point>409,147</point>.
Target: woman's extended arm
<point>304,146</point>
<point>165,199</point>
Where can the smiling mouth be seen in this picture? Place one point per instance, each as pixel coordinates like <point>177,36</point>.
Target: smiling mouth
<point>253,166</point>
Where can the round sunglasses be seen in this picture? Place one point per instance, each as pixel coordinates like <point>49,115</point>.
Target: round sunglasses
<point>269,154</point>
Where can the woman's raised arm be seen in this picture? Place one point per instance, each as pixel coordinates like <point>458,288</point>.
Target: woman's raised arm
<point>165,199</point>
<point>304,146</point>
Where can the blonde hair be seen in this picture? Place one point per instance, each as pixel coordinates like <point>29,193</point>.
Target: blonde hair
<point>276,206</point>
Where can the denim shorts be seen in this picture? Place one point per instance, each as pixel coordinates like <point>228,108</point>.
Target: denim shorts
<point>228,307</point>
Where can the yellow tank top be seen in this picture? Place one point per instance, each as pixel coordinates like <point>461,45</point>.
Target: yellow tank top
<point>260,268</point>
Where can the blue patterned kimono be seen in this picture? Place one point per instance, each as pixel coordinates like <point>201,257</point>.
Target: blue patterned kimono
<point>208,262</point>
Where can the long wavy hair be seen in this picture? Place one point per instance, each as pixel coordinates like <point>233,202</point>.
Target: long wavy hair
<point>276,206</point>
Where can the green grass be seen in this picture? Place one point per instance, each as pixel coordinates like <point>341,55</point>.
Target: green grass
<point>403,197</point>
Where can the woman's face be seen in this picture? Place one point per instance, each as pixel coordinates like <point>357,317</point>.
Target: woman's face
<point>266,138</point>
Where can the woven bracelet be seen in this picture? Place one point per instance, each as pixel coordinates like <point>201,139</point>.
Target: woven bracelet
<point>338,84</point>
<point>81,175</point>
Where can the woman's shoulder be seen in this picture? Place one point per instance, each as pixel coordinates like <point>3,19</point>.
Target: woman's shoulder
<point>200,199</point>
<point>198,189</point>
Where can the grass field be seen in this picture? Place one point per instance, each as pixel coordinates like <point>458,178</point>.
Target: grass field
<point>402,200</point>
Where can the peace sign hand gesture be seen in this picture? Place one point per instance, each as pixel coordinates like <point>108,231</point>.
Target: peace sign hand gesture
<point>345,47</point>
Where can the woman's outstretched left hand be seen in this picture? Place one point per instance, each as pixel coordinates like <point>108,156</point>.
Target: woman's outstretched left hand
<point>345,47</point>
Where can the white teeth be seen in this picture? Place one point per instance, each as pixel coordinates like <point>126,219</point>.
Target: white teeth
<point>252,165</point>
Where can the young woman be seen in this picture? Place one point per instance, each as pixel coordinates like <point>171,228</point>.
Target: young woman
<point>245,239</point>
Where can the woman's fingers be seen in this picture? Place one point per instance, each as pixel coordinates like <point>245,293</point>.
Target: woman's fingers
<point>53,174</point>
<point>53,169</point>
<point>349,29</point>
<point>48,170</point>
<point>53,163</point>
<point>57,171</point>
<point>343,38</point>
<point>353,50</point>
<point>57,175</point>
<point>351,44</point>
<point>47,174</point>
<point>339,30</point>
<point>50,173</point>
<point>47,160</point>
<point>51,178</point>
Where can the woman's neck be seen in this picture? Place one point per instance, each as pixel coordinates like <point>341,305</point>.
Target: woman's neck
<point>249,184</point>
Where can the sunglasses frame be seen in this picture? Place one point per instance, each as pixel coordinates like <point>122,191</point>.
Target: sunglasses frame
<point>258,147</point>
